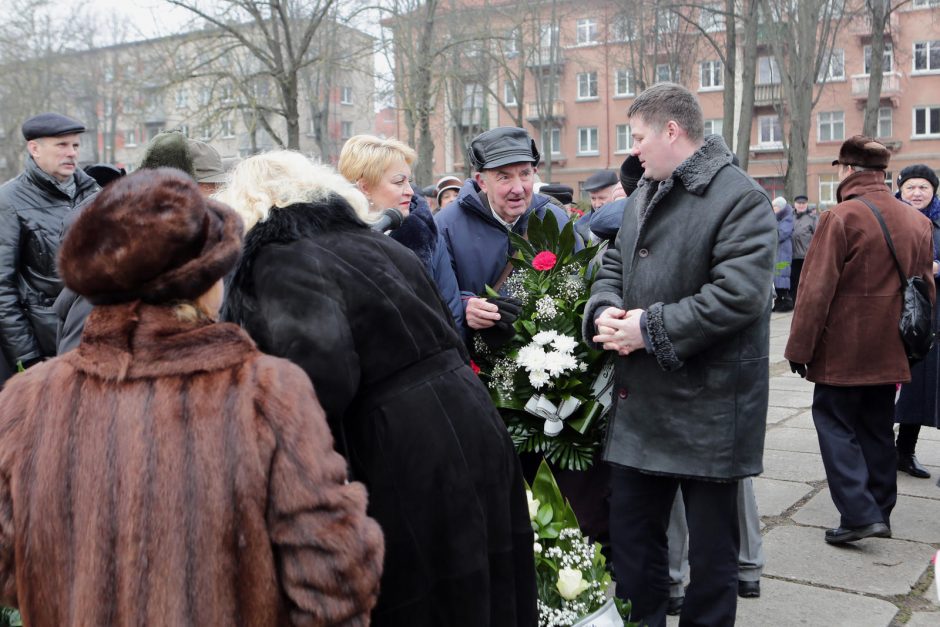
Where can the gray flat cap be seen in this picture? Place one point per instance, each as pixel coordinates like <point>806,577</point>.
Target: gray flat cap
<point>600,180</point>
<point>50,125</point>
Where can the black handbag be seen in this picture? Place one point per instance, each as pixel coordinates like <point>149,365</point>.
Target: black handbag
<point>916,312</point>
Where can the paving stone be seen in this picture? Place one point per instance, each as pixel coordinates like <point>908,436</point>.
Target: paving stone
<point>932,596</point>
<point>792,466</point>
<point>791,382</point>
<point>928,451</point>
<point>787,398</point>
<point>803,420</point>
<point>788,603</point>
<point>922,619</point>
<point>873,566</point>
<point>778,414</point>
<point>775,497</point>
<point>785,438</point>
<point>913,518</point>
<point>924,488</point>
<point>929,433</point>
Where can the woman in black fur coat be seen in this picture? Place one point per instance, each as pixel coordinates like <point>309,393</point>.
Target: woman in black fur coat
<point>359,314</point>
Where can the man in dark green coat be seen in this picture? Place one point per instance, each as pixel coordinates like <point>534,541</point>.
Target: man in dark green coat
<point>684,299</point>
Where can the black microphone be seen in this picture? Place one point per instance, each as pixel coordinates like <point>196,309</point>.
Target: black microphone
<point>391,219</point>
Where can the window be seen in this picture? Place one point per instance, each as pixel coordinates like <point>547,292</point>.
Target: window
<point>548,37</point>
<point>205,96</point>
<point>345,95</point>
<point>621,29</point>
<point>711,18</point>
<point>769,133</point>
<point>767,71</point>
<point>830,126</point>
<point>182,99</point>
<point>623,83</point>
<point>587,141</point>
<point>548,87</point>
<point>587,31</point>
<point>587,85</point>
<point>714,127</point>
<point>885,122</point>
<point>926,121</point>
<point>835,69</point>
<point>184,130</point>
<point>509,93</point>
<point>228,129</point>
<point>345,130</point>
<point>130,138</point>
<point>226,93</point>
<point>923,4</point>
<point>511,43</point>
<point>666,21</point>
<point>205,131</point>
<point>927,56</point>
<point>711,75</point>
<point>665,72</point>
<point>828,184</point>
<point>623,137</point>
<point>471,113</point>
<point>888,65</point>
<point>108,108</point>
<point>552,138</point>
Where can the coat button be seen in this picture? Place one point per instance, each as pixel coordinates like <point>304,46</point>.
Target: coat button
<point>622,392</point>
<point>643,253</point>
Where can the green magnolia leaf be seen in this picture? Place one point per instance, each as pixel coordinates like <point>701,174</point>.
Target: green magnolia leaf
<point>545,514</point>
<point>550,232</point>
<point>566,243</point>
<point>545,489</point>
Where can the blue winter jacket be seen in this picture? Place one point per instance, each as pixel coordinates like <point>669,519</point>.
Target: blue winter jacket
<point>477,242</point>
<point>606,219</point>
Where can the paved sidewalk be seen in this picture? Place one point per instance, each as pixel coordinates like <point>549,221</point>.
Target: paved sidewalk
<point>877,582</point>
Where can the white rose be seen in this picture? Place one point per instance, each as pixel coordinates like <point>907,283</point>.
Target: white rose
<point>533,505</point>
<point>537,548</point>
<point>571,583</point>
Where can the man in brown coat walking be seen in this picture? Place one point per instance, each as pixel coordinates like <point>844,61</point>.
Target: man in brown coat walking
<point>844,336</point>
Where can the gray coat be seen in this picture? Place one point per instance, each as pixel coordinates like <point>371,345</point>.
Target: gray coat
<point>697,253</point>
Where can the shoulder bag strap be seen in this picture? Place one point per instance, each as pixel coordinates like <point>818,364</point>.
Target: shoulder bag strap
<point>884,229</point>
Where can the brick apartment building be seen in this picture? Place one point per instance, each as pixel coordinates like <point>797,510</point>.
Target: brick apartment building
<point>582,111</point>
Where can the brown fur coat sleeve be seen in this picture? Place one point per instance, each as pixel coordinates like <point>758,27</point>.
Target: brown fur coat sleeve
<point>329,553</point>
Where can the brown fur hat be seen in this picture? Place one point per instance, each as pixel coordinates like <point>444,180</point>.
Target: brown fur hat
<point>863,152</point>
<point>150,236</point>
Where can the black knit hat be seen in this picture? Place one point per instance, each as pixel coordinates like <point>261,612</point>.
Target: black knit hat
<point>562,193</point>
<point>919,171</point>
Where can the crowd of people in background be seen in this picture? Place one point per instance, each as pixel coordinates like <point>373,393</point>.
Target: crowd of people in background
<point>246,397</point>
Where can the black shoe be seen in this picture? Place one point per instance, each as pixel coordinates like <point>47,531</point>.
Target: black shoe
<point>748,589</point>
<point>850,534</point>
<point>910,465</point>
<point>785,305</point>
<point>674,607</point>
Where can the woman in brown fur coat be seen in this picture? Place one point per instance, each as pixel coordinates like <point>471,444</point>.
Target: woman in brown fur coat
<point>166,472</point>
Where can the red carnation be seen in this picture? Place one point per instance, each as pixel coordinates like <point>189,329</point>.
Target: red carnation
<point>474,367</point>
<point>545,260</point>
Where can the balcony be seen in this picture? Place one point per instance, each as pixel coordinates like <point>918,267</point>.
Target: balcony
<point>861,26</point>
<point>890,87</point>
<point>546,57</point>
<point>765,95</point>
<point>532,111</point>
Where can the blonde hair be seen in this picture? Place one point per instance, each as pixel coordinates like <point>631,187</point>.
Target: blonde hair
<point>367,157</point>
<point>282,178</point>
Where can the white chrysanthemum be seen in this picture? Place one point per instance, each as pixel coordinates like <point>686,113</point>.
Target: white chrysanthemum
<point>531,357</point>
<point>538,378</point>
<point>564,343</point>
<point>545,337</point>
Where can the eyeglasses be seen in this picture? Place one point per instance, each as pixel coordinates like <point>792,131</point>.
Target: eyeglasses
<point>913,188</point>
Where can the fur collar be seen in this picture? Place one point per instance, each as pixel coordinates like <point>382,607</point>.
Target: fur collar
<point>418,232</point>
<point>136,340</point>
<point>695,174</point>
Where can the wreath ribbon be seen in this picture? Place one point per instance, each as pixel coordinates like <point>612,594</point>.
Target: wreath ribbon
<point>554,415</point>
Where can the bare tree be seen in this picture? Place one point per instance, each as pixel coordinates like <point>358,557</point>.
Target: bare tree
<point>280,38</point>
<point>878,14</point>
<point>802,35</point>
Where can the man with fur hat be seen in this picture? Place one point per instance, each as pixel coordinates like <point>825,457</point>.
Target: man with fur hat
<point>844,335</point>
<point>683,300</point>
<point>33,208</point>
<point>497,200</point>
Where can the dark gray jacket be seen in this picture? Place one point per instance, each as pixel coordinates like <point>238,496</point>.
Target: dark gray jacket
<point>32,213</point>
<point>804,225</point>
<point>697,253</point>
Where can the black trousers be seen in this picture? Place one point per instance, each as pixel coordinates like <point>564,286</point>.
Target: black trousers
<point>639,515</point>
<point>796,268</point>
<point>855,426</point>
<point>907,438</point>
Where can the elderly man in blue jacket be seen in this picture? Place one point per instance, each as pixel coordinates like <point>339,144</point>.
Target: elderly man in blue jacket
<point>497,200</point>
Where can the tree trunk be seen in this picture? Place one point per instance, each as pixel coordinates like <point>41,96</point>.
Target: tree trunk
<point>748,78</point>
<point>727,124</point>
<point>879,17</point>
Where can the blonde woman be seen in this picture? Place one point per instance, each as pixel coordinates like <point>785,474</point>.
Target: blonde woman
<point>381,170</point>
<point>360,315</point>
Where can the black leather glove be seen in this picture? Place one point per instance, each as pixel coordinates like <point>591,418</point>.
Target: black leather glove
<point>799,369</point>
<point>502,332</point>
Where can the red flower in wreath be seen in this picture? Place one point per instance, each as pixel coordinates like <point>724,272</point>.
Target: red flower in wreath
<point>474,367</point>
<point>545,260</point>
